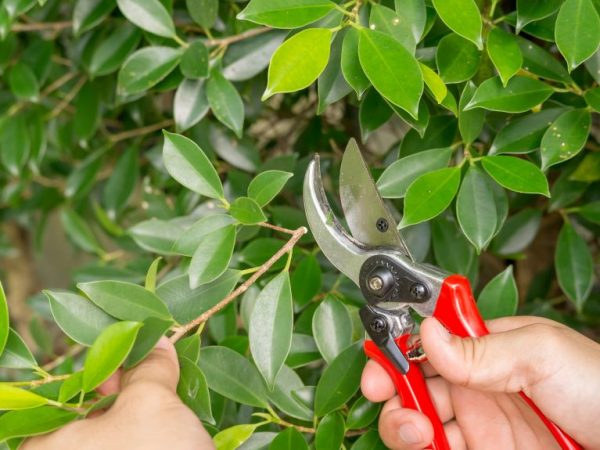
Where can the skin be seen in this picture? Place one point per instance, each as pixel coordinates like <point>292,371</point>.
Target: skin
<point>147,414</point>
<point>474,385</point>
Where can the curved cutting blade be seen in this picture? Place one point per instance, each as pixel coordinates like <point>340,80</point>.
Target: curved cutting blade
<point>369,220</point>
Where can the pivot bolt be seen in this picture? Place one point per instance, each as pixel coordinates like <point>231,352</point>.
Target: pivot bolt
<point>382,224</point>
<point>418,291</point>
<point>378,324</point>
<point>375,283</point>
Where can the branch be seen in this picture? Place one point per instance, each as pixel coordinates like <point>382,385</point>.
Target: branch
<point>181,331</point>
<point>41,381</point>
<point>68,98</point>
<point>41,26</point>
<point>141,131</point>
<point>237,37</point>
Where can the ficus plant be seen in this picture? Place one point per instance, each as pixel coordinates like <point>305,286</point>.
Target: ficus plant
<point>163,143</point>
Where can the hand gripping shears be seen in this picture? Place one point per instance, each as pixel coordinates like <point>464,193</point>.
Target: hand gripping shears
<point>376,258</point>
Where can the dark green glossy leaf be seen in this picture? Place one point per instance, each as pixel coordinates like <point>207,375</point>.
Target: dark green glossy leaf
<point>78,230</point>
<point>194,62</point>
<point>204,12</point>
<point>212,256</point>
<point>369,441</point>
<point>15,143</point>
<point>193,390</point>
<point>233,376</point>
<point>286,383</point>
<point>373,112</point>
<point>190,104</point>
<point>23,82</point>
<point>574,265</point>
<point>330,432</point>
<point>350,63</point>
<point>225,102</point>
<point>122,183</point>
<point>566,137</point>
<point>146,67</point>
<point>289,439</point>
<point>87,116</point>
<point>518,232</point>
<point>429,195</point>
<point>542,63</point>
<point>110,53</point>
<point>285,13</point>
<point>189,241</point>
<point>362,413</point>
<point>577,31</point>
<point>16,354</point>
<point>332,328</point>
<point>499,297</point>
<point>78,317</point>
<point>457,59</point>
<point>331,85</point>
<point>340,380</point>
<point>149,15</point>
<point>588,169</point>
<point>462,17</point>
<point>592,98</point>
<point>470,123</point>
<point>152,330</point>
<point>519,95</point>
<point>516,174</point>
<point>89,13</point>
<point>247,211</point>
<point>392,70</point>
<point>590,211</point>
<point>249,57</point>
<point>439,134</point>
<point>266,185</point>
<point>125,301</point>
<point>451,248</point>
<point>505,53</point>
<point>532,10</point>
<point>306,280</point>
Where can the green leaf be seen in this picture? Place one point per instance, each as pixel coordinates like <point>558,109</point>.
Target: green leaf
<point>125,301</point>
<point>110,54</point>
<point>340,380</point>
<point>121,184</point>
<point>16,355</point>
<point>87,115</point>
<point>588,169</point>
<point>14,398</point>
<point>592,98</point>
<point>590,211</point>
<point>392,70</point>
<point>470,123</point>
<point>70,387</point>
<point>89,13</point>
<point>107,353</point>
<point>212,256</point>
<point>190,104</point>
<point>505,53</point>
<point>519,95</point>
<point>350,63</point>
<point>79,232</point>
<point>531,10</point>
<point>462,17</point>
<point>299,61</point>
<point>193,390</point>
<point>331,84</point>
<point>194,62</point>
<point>306,280</point>
<point>434,83</point>
<point>332,328</point>
<point>542,63</point>
<point>145,68</point>
<point>186,304</point>
<point>577,31</point>
<point>476,208</point>
<point>233,437</point>
<point>189,241</point>
<point>518,232</point>
<point>285,13</point>
<point>4,319</point>
<point>369,441</point>
<point>151,274</point>
<point>23,82</point>
<point>247,58</point>
<point>457,59</point>
<point>150,333</point>
<point>31,422</point>
<point>286,383</point>
<point>373,112</point>
<point>566,137</point>
<point>187,163</point>
<point>149,15</point>
<point>155,235</point>
<point>387,21</point>
<point>451,248</point>
<point>289,439</point>
<point>78,317</point>
<point>225,102</point>
<point>204,12</point>
<point>233,376</point>
<point>415,13</point>
<point>499,297</point>
<point>270,328</point>
<point>362,413</point>
<point>574,265</point>
<point>524,134</point>
<point>247,211</point>
<point>15,143</point>
<point>266,185</point>
<point>516,174</point>
<point>330,432</point>
<point>83,176</point>
<point>429,195</point>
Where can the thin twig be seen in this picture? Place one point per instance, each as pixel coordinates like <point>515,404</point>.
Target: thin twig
<point>141,131</point>
<point>41,381</point>
<point>276,228</point>
<point>237,37</point>
<point>73,351</point>
<point>41,26</point>
<point>68,98</point>
<point>59,82</point>
<point>181,331</point>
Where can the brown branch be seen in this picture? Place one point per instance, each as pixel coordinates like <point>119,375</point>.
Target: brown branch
<point>237,37</point>
<point>276,228</point>
<point>58,83</point>
<point>41,26</point>
<point>73,351</point>
<point>68,98</point>
<point>303,429</point>
<point>181,331</point>
<point>140,131</point>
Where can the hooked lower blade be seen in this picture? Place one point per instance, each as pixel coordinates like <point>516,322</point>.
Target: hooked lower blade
<point>369,220</point>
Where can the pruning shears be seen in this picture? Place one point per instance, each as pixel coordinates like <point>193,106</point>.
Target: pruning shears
<point>376,258</point>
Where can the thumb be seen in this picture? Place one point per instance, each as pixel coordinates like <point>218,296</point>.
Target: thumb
<point>160,368</point>
<point>509,361</point>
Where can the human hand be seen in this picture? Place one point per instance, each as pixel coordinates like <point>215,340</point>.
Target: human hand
<point>147,414</point>
<point>473,385</point>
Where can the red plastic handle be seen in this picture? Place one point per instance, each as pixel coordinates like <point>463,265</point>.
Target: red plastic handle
<point>457,311</point>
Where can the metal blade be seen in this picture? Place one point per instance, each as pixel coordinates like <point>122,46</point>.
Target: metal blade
<point>369,220</point>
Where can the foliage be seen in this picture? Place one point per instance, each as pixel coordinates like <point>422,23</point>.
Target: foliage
<point>476,118</point>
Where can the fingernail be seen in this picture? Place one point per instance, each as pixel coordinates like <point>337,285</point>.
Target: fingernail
<point>409,434</point>
<point>163,343</point>
<point>442,332</point>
